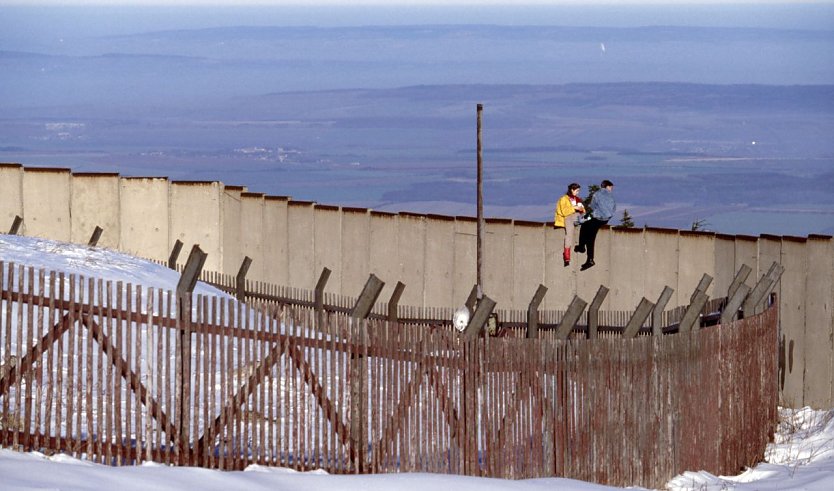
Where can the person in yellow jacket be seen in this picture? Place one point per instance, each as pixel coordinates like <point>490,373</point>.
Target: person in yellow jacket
<point>566,209</point>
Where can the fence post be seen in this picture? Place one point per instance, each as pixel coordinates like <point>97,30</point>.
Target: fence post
<point>702,286</point>
<point>358,372</point>
<point>657,311</point>
<point>571,317</point>
<point>753,304</point>
<point>641,313</point>
<point>16,225</point>
<point>394,301</point>
<point>185,289</point>
<point>693,312</point>
<point>240,280</point>
<point>472,299</point>
<point>96,235</point>
<point>734,303</point>
<point>365,302</point>
<point>740,277</point>
<point>318,298</point>
<point>479,319</point>
<point>533,312</point>
<point>593,312</point>
<point>175,252</point>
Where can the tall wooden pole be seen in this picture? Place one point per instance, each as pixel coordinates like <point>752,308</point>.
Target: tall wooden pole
<point>480,246</point>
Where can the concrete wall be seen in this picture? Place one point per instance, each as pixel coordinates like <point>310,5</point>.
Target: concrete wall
<point>11,194</point>
<point>662,265</point>
<point>196,217</point>
<point>96,202</point>
<point>252,226</point>
<point>301,245</point>
<point>142,233</point>
<point>356,250</point>
<point>435,256</point>
<point>231,223</point>
<point>384,258</point>
<point>411,258</point>
<point>327,243</point>
<point>276,240</point>
<point>792,295</point>
<point>627,260</point>
<point>818,387</point>
<point>46,203</point>
<point>440,263</point>
<point>528,258</point>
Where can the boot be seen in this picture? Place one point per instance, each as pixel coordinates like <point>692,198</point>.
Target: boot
<point>566,256</point>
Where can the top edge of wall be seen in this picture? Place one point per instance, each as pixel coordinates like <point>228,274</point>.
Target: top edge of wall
<point>627,230</point>
<point>145,178</point>
<point>53,170</point>
<point>95,174</point>
<point>697,233</point>
<point>661,230</point>
<point>460,218</point>
<point>196,183</point>
<point>301,203</point>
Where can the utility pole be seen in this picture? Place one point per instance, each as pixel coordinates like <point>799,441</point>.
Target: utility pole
<point>480,244</point>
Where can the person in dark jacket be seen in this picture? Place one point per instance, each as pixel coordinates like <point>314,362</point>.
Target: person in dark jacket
<point>602,209</point>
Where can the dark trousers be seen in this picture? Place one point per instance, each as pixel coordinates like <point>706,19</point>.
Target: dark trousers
<point>588,235</point>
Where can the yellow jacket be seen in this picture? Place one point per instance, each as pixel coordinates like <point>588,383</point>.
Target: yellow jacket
<point>564,209</point>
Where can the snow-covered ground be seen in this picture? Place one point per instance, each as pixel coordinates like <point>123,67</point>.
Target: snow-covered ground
<point>802,457</point>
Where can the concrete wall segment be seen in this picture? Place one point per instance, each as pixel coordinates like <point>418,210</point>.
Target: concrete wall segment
<point>276,240</point>
<point>628,265</point>
<point>96,202</point>
<point>144,211</point>
<point>747,252</point>
<point>662,264</point>
<point>498,262</point>
<point>696,256</point>
<point>47,203</point>
<point>196,217</point>
<point>301,245</point>
<point>528,260</point>
<point>792,315</point>
<point>11,195</point>
<point>560,281</point>
<point>232,228</point>
<point>411,256</point>
<point>328,245</point>
<point>465,259</point>
<point>725,262</point>
<point>384,260</point>
<point>440,261</point>
<point>253,227</point>
<point>818,386</point>
<point>356,247</point>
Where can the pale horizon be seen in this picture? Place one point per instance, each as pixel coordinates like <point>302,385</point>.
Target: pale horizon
<point>409,3</point>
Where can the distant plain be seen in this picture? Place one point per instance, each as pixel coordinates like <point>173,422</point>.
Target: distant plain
<point>727,126</point>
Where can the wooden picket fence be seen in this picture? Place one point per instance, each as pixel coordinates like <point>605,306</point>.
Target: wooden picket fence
<point>110,373</point>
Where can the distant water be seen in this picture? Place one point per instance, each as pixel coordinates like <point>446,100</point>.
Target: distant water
<point>103,88</point>
<point>36,24</point>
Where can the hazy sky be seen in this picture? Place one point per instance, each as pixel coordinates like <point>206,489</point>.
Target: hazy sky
<point>398,2</point>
